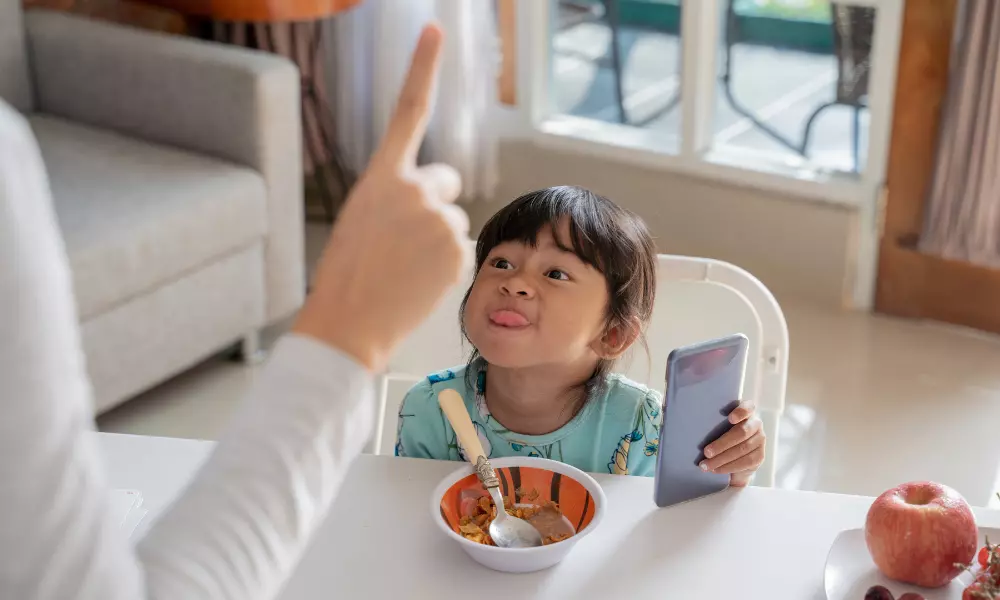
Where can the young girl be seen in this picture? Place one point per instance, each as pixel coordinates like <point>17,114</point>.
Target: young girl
<point>565,282</point>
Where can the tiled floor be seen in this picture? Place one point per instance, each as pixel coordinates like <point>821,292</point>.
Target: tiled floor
<point>874,401</point>
<point>871,402</point>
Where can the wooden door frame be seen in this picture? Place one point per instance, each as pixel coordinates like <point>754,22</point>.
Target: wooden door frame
<point>911,283</point>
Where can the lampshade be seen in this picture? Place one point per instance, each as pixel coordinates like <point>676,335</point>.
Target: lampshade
<point>258,11</point>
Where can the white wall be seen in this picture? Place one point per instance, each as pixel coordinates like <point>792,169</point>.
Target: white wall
<point>798,248</point>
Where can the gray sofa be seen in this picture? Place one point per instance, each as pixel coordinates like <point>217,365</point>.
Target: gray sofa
<point>175,171</point>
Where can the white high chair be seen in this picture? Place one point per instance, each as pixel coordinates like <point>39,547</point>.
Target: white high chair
<point>697,299</point>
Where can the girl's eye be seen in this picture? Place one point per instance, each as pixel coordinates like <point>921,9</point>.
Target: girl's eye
<point>557,274</point>
<point>501,263</point>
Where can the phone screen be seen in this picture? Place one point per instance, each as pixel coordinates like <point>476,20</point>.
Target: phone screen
<point>704,384</point>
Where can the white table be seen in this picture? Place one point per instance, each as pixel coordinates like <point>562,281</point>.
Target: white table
<point>379,541</point>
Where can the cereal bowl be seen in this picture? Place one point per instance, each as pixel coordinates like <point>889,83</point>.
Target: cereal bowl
<point>580,499</point>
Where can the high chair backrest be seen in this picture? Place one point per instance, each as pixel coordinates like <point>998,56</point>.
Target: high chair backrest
<point>697,299</point>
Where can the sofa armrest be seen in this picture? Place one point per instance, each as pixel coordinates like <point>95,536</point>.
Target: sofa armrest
<point>235,104</point>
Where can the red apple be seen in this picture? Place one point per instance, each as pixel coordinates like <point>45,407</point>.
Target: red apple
<point>918,532</point>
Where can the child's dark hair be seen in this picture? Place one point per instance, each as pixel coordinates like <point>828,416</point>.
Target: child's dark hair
<point>605,236</point>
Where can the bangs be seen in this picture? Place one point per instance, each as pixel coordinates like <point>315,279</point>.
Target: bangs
<point>593,226</point>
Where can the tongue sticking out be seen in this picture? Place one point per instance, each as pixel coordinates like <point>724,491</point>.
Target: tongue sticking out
<point>508,318</point>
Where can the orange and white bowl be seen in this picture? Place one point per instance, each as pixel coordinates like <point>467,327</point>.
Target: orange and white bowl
<point>580,498</point>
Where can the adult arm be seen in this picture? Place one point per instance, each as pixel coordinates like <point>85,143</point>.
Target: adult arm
<point>238,530</point>
<point>242,524</point>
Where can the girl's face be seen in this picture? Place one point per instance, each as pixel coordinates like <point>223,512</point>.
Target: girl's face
<point>532,306</point>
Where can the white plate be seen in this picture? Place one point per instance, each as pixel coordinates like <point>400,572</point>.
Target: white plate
<point>850,571</point>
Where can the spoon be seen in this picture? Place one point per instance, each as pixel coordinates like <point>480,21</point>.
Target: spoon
<point>506,531</point>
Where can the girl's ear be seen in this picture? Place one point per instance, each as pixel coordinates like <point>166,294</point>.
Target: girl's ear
<point>618,339</point>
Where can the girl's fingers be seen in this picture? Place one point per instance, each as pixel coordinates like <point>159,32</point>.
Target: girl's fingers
<point>741,413</point>
<point>747,455</point>
<point>736,435</point>
<point>742,479</point>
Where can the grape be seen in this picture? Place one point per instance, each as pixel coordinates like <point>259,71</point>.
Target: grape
<point>911,596</point>
<point>878,593</point>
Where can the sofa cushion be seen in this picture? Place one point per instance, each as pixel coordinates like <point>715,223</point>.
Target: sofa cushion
<point>136,216</point>
<point>15,86</point>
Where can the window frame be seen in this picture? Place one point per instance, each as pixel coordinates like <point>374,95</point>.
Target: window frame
<point>697,156</point>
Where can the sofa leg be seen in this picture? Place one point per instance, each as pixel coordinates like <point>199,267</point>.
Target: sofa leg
<point>251,352</point>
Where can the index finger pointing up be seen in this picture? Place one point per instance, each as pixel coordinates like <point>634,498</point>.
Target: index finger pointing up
<point>409,122</point>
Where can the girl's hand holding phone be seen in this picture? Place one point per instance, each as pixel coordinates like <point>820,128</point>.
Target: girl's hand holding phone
<point>739,451</point>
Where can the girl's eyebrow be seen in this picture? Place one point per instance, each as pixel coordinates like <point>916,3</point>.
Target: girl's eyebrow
<point>565,249</point>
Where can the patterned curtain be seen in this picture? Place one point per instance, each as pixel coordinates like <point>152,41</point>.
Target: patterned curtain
<point>328,178</point>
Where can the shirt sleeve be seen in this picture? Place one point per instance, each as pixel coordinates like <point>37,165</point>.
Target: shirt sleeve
<point>646,436</point>
<point>56,535</point>
<point>239,529</point>
<point>422,431</point>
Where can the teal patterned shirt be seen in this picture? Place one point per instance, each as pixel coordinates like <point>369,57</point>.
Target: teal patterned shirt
<point>617,431</point>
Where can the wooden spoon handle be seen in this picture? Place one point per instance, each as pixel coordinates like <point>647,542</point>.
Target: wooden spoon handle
<point>453,407</point>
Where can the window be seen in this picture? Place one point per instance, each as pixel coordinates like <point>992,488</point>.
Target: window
<point>791,93</point>
<point>619,63</point>
<point>794,81</point>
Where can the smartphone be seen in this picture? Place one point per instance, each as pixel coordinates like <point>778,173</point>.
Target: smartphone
<point>704,384</point>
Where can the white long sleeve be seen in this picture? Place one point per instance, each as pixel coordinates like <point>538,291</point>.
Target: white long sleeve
<point>242,524</point>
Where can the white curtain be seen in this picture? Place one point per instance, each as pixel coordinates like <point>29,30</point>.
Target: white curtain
<point>368,53</point>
